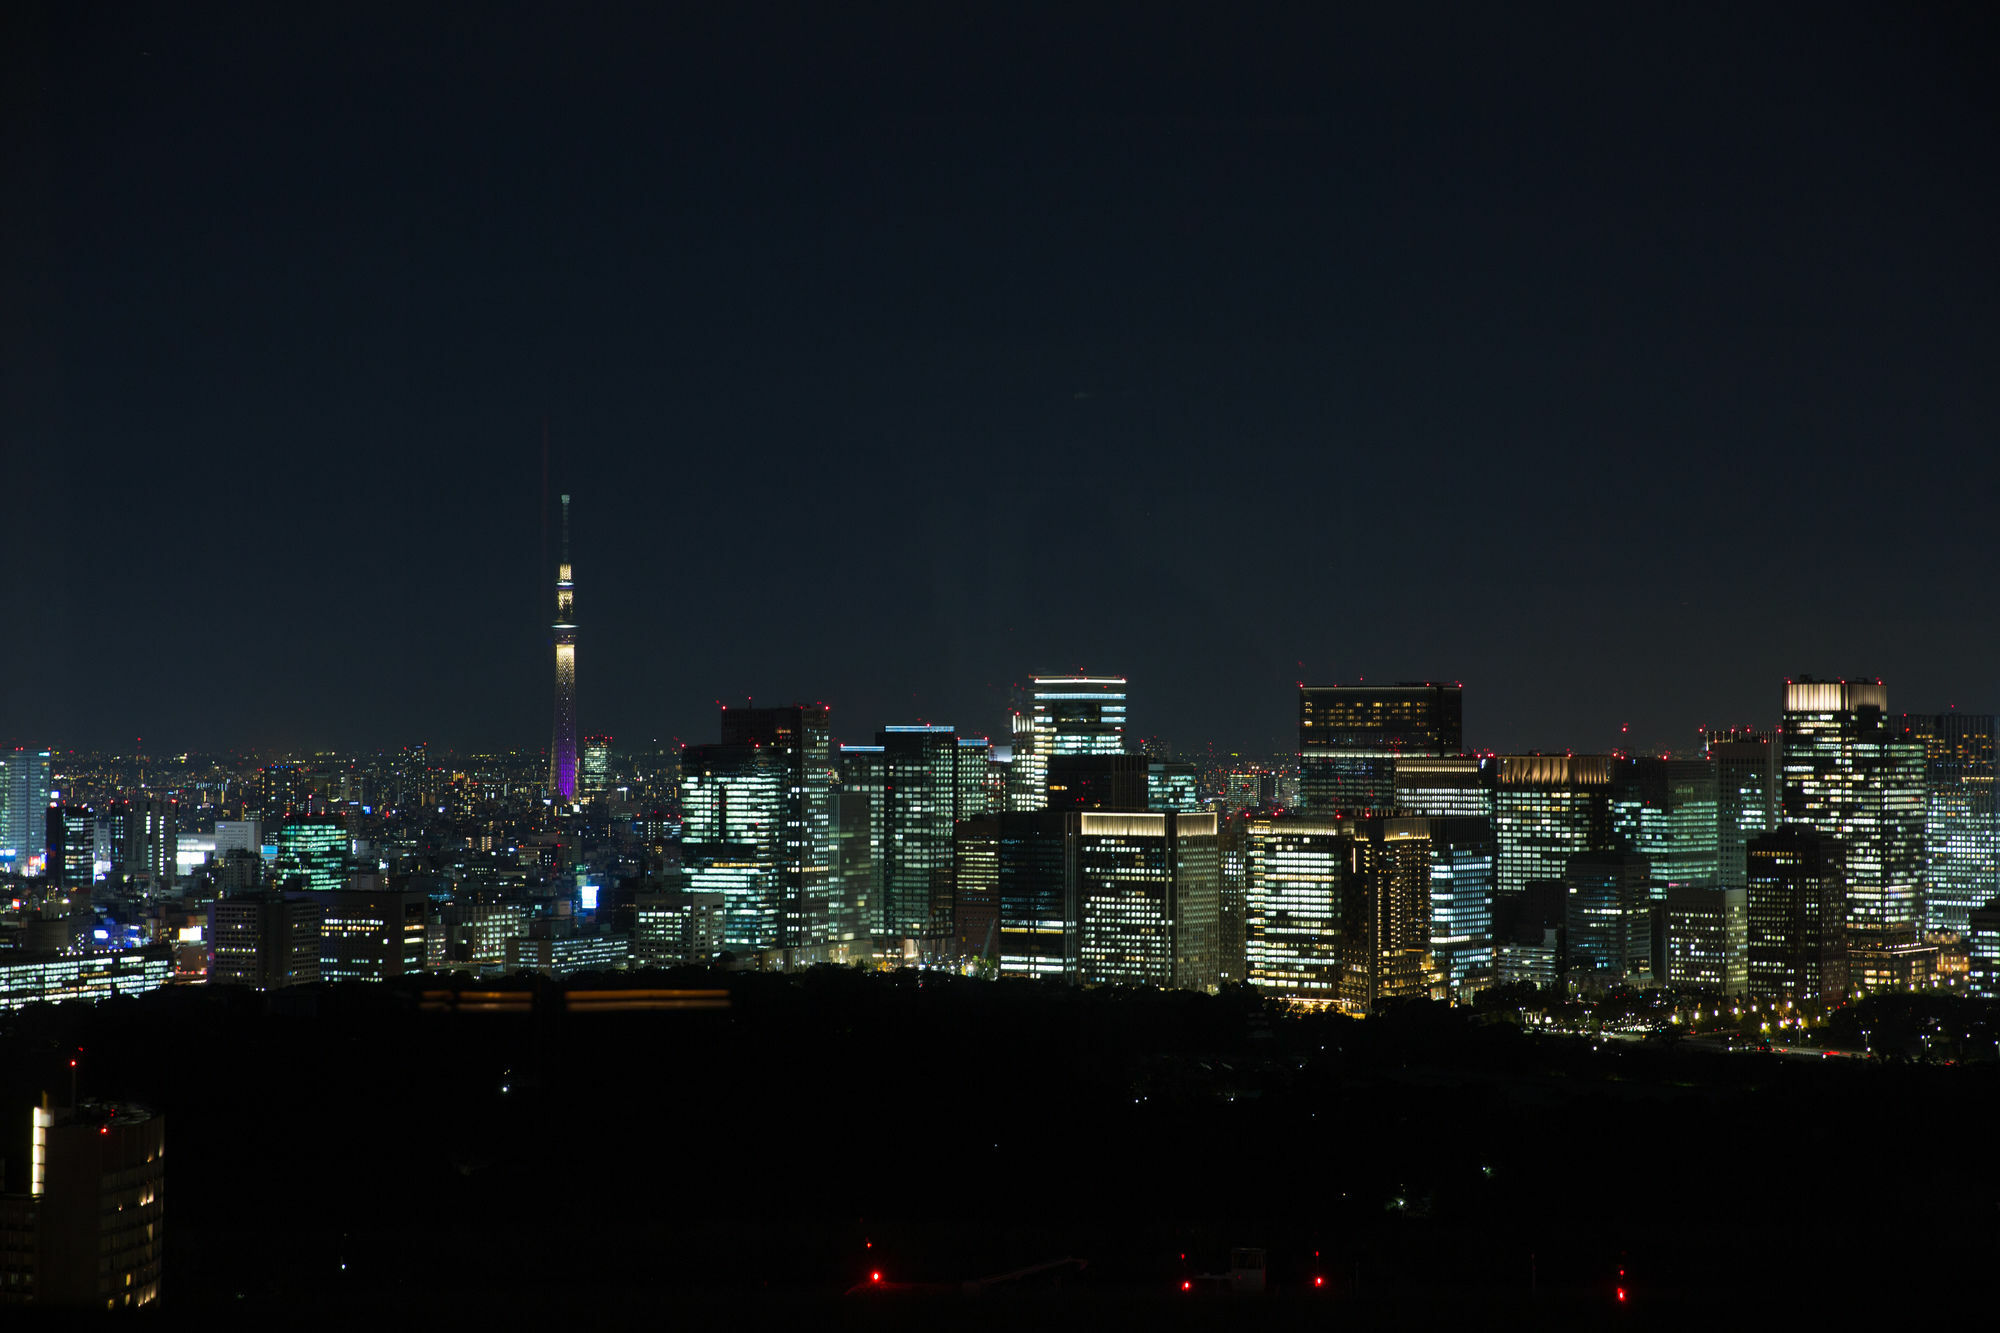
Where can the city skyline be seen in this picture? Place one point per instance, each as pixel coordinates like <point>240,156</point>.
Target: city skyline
<point>821,317</point>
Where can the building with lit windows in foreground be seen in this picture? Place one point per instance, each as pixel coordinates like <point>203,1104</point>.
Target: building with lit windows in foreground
<point>83,1231</point>
<point>1961,816</point>
<point>28,977</point>
<point>570,955</point>
<point>1148,899</point>
<point>1701,937</point>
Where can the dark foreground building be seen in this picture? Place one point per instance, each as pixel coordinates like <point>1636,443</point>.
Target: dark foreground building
<point>83,1232</point>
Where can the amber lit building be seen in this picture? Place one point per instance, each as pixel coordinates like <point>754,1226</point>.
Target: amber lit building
<point>84,1230</point>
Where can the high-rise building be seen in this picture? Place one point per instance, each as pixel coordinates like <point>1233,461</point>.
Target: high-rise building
<point>730,802</point>
<point>794,739</point>
<point>1609,917</point>
<point>1464,856</point>
<point>1067,715</point>
<point>1148,896</point>
<point>314,849</point>
<point>1457,786</point>
<point>921,791</point>
<point>73,846</point>
<point>1796,905</point>
<point>24,805</point>
<point>1546,809</point>
<point>1350,737</point>
<point>1961,818</point>
<point>1851,774</point>
<point>1339,909</point>
<point>89,1234</point>
<point>855,829</point>
<point>672,927</point>
<point>1665,810</point>
<point>596,779</point>
<point>265,940</point>
<point>1982,948</point>
<point>1701,938</point>
<point>147,839</point>
<point>1100,782</point>
<point>1746,795</point>
<point>372,934</point>
<point>563,749</point>
<point>1035,870</point>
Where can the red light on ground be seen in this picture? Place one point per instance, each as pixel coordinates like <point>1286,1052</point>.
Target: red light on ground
<point>104,1129</point>
<point>1621,1293</point>
<point>72,1064</point>
<point>877,1277</point>
<point>1319,1282</point>
<point>1187,1286</point>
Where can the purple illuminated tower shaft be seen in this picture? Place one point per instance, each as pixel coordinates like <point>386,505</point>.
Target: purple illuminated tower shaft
<point>562,754</point>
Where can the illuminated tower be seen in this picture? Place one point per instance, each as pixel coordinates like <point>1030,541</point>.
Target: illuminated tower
<point>562,753</point>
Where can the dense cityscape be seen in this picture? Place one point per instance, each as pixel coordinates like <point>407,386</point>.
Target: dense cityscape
<point>1821,886</point>
<point>941,666</point>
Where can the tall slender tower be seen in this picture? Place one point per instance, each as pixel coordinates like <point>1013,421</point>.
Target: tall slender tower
<point>562,753</point>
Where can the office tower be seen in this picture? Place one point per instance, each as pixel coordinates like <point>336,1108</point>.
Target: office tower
<point>674,928</point>
<point>1350,737</point>
<point>920,788</point>
<point>28,977</point>
<point>1546,809</point>
<point>1665,810</point>
<point>1067,715</point>
<point>149,846</point>
<point>1171,784</point>
<point>1464,856</point>
<point>1701,938</point>
<point>1608,920</point>
<point>976,888</point>
<point>1099,782</point>
<point>1459,786</point>
<point>265,940</point>
<point>1961,819</point>
<point>1796,903</point>
<point>1339,909</point>
<point>1746,790</point>
<point>1080,714</point>
<point>1232,847</point>
<point>24,805</point>
<point>372,934</point>
<point>855,828</point>
<point>1853,776</point>
<point>1529,928</point>
<point>1037,887</point>
<point>1982,947</point>
<point>596,779</point>
<point>793,740</point>
<point>1148,896</point>
<point>730,804</point>
<point>239,835</point>
<point>314,849</point>
<point>73,846</point>
<point>88,1235</point>
<point>563,748</point>
<point>974,777</point>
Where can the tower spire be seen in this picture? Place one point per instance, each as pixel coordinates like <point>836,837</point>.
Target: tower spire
<point>563,750</point>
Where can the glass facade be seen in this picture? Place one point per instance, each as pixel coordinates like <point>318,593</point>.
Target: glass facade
<point>731,798</point>
<point>1608,917</point>
<point>796,745</point>
<point>1746,794</point>
<point>1148,892</point>
<point>1666,811</point>
<point>1961,822</point>
<point>1546,809</point>
<point>1463,859</point>
<point>1853,777</point>
<point>920,784</point>
<point>24,809</point>
<point>1350,737</point>
<point>313,848</point>
<point>1796,907</point>
<point>1339,910</point>
<point>1449,786</point>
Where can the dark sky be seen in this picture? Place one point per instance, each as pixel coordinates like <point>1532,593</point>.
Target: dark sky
<point>1617,360</point>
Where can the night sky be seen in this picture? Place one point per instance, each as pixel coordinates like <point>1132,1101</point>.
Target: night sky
<point>1617,361</point>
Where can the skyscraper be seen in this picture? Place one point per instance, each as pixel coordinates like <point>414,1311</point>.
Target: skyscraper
<point>1608,915</point>
<point>920,805</point>
<point>730,798</point>
<point>1961,819</point>
<point>563,750</point>
<point>24,806</point>
<point>1067,715</point>
<point>1665,810</point>
<point>1350,737</point>
<point>1853,776</point>
<point>1796,903</point>
<point>1148,897</point>
<point>1546,809</point>
<point>596,779</point>
<point>1746,795</point>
